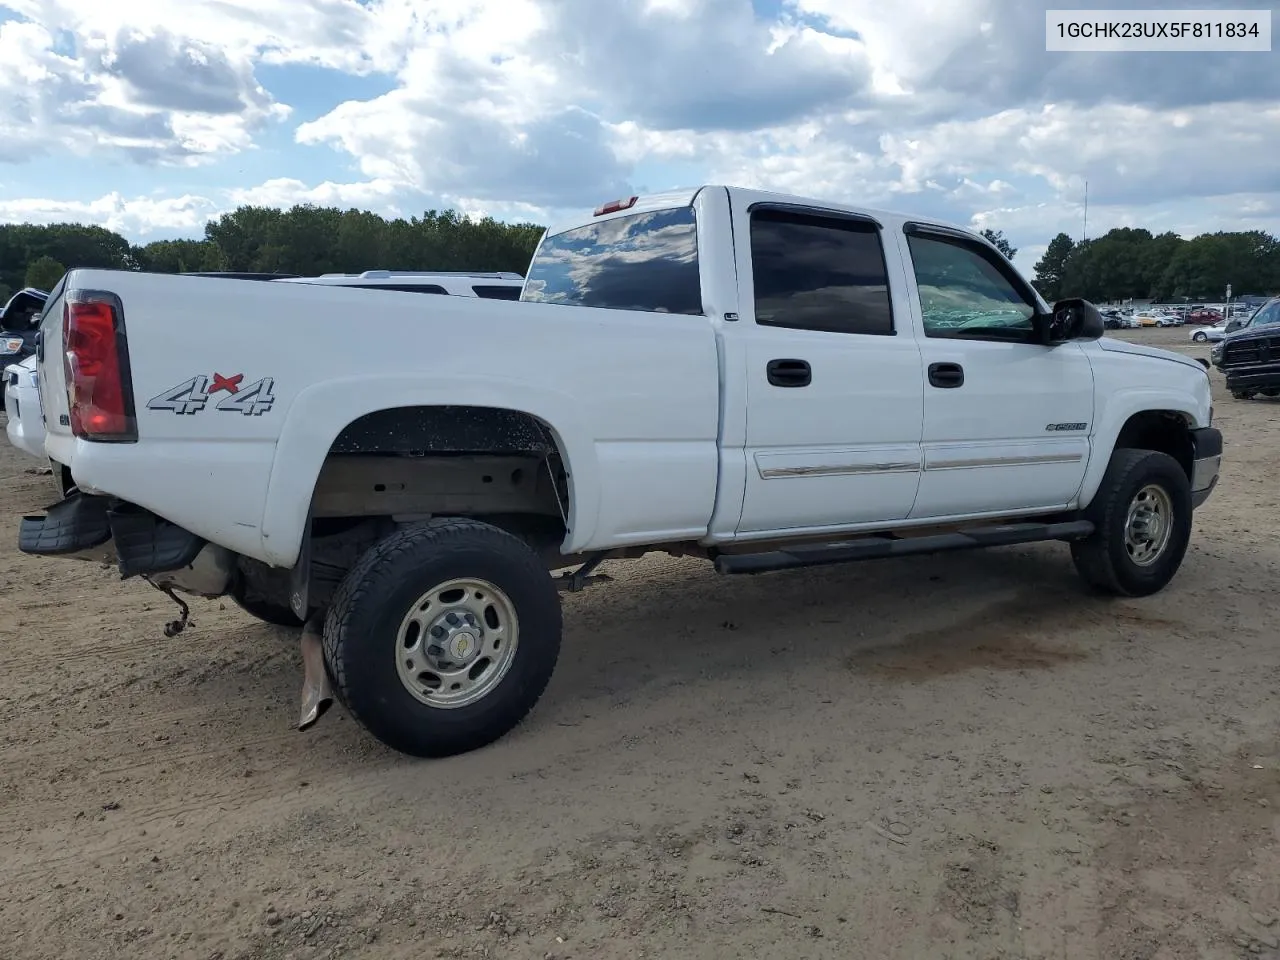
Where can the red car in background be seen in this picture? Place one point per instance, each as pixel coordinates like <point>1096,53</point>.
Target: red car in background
<point>1204,316</point>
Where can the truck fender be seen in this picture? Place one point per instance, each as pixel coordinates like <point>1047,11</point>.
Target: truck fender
<point>1119,408</point>
<point>321,412</point>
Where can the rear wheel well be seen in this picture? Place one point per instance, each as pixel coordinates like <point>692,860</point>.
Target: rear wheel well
<point>1163,430</point>
<point>407,464</point>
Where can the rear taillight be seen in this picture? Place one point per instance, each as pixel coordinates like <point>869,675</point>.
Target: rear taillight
<point>96,362</point>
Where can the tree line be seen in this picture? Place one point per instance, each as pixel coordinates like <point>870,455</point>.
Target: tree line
<point>1132,263</point>
<point>308,240</point>
<point>304,240</point>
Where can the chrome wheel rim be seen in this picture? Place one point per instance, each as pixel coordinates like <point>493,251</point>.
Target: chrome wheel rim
<point>1149,525</point>
<point>457,643</point>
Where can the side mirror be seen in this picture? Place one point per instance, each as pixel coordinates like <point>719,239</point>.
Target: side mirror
<point>1072,319</point>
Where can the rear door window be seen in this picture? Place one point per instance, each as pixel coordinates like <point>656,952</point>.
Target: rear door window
<point>813,272</point>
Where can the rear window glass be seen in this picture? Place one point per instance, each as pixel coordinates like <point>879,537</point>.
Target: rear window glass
<point>497,293</point>
<point>645,261</point>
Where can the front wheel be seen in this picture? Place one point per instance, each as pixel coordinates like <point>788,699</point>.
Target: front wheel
<point>1242,394</point>
<point>1200,337</point>
<point>443,636</point>
<point>1142,525</point>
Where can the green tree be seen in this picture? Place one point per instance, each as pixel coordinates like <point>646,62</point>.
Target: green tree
<point>1052,267</point>
<point>997,239</point>
<point>44,273</point>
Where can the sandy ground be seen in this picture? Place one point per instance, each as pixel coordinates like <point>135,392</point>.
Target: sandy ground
<point>956,757</point>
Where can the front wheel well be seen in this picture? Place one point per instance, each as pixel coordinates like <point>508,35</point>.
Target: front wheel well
<point>1166,431</point>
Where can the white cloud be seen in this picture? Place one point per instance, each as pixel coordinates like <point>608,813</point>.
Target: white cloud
<point>378,195</point>
<point>132,217</point>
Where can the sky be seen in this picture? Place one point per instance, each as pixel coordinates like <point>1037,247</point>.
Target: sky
<point>152,116</point>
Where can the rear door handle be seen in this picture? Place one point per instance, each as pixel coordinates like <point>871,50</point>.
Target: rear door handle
<point>789,373</point>
<point>946,375</point>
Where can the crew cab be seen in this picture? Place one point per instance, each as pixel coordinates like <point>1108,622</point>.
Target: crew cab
<point>765,381</point>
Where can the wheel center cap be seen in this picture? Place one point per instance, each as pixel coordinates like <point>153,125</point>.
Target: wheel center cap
<point>462,645</point>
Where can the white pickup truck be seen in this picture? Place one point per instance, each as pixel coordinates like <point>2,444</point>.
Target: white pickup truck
<point>765,381</point>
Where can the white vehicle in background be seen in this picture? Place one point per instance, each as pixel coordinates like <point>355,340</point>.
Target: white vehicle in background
<point>25,427</point>
<point>491,286</point>
<point>1211,334</point>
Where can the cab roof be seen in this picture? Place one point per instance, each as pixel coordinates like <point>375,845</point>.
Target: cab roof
<point>666,200</point>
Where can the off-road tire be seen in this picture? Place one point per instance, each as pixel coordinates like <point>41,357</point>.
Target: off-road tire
<point>1102,559</point>
<point>364,617</point>
<point>263,592</point>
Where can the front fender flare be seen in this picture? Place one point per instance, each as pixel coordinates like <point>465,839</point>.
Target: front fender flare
<point>320,412</point>
<point>1120,407</point>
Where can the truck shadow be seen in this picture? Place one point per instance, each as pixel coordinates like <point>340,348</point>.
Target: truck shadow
<point>902,619</point>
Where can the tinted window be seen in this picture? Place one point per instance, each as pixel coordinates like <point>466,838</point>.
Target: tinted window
<point>1267,315</point>
<point>646,261</point>
<point>819,274</point>
<point>403,287</point>
<point>964,293</point>
<point>497,293</point>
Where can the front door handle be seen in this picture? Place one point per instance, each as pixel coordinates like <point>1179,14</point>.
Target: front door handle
<point>789,373</point>
<point>946,375</point>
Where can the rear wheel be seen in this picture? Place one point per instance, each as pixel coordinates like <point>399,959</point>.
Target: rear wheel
<point>443,636</point>
<point>1242,394</point>
<point>1142,525</point>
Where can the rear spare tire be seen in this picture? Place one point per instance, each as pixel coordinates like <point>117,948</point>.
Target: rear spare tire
<point>443,636</point>
<point>1142,525</point>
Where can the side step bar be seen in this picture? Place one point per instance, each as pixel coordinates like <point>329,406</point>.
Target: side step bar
<point>880,547</point>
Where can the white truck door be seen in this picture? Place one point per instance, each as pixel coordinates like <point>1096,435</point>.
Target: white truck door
<point>833,391</point>
<point>1006,419</point>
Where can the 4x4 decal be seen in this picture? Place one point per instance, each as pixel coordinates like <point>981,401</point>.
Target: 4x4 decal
<point>192,396</point>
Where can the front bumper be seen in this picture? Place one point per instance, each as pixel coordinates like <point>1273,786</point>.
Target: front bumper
<point>1206,463</point>
<point>1253,377</point>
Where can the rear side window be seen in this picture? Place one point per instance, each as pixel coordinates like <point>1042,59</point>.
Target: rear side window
<point>819,273</point>
<point>403,287</point>
<point>645,261</point>
<point>497,293</point>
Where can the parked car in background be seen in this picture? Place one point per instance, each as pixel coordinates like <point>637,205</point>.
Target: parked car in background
<point>1208,334</point>
<point>18,322</point>
<point>493,286</point>
<point>1250,355</point>
<point>25,427</point>
<point>1203,315</point>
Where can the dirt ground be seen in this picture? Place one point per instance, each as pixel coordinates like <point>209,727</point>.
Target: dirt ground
<point>965,756</point>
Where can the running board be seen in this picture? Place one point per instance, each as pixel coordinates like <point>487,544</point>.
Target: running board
<point>879,547</point>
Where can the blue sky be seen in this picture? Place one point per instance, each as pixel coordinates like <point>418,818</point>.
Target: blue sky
<point>151,122</point>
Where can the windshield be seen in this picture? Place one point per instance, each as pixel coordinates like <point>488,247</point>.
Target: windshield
<point>1268,314</point>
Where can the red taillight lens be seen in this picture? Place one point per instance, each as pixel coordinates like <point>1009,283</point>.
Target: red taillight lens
<point>614,206</point>
<point>96,365</point>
